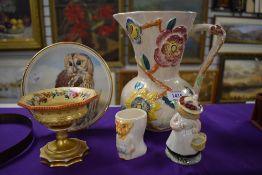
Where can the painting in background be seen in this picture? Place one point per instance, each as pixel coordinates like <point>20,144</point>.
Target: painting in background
<point>240,78</point>
<point>194,51</point>
<point>221,5</point>
<point>244,34</point>
<point>20,26</point>
<point>208,89</point>
<point>11,72</point>
<point>91,23</point>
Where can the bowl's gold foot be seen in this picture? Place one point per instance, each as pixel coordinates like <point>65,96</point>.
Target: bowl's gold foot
<point>63,152</point>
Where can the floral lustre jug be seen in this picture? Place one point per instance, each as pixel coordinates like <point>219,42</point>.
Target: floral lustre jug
<point>158,39</point>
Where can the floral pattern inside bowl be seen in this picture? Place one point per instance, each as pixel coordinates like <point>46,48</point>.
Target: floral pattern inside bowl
<point>57,98</point>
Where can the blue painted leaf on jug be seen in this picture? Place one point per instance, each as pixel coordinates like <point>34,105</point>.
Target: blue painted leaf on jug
<point>171,24</point>
<point>145,62</point>
<point>139,85</point>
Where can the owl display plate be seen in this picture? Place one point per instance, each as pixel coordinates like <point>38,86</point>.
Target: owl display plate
<point>71,64</point>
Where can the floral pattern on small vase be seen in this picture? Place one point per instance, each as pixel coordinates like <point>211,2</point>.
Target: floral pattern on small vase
<point>143,99</point>
<point>170,46</point>
<point>39,98</point>
<point>123,128</point>
<point>134,31</point>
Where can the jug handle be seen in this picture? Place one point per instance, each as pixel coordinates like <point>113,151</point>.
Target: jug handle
<point>221,35</point>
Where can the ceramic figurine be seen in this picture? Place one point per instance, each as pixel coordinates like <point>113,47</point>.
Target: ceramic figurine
<point>130,128</point>
<point>159,38</point>
<point>186,141</point>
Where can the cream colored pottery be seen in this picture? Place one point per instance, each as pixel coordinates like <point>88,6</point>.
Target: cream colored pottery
<point>130,129</point>
<point>158,39</point>
<point>185,143</point>
<point>57,106</point>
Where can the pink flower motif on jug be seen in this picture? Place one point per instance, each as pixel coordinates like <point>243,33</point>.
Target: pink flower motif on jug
<point>170,46</point>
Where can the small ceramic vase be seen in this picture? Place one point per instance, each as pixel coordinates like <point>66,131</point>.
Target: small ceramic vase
<point>130,129</point>
<point>186,142</point>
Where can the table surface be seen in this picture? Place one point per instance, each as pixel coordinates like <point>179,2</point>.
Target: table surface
<point>234,146</point>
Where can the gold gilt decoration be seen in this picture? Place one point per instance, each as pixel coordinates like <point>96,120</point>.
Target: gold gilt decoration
<point>57,109</point>
<point>143,99</point>
<point>123,128</point>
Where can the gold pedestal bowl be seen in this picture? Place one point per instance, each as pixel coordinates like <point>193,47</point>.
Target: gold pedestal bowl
<point>58,109</point>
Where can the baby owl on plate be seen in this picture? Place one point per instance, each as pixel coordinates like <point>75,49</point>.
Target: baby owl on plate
<point>78,72</point>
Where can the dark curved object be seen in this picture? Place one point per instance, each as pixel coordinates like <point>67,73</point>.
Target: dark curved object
<point>256,118</point>
<point>19,148</point>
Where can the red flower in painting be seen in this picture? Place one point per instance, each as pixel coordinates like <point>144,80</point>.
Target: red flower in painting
<point>67,38</point>
<point>79,29</point>
<point>105,11</point>
<point>82,20</point>
<point>107,30</point>
<point>74,13</point>
<point>104,30</point>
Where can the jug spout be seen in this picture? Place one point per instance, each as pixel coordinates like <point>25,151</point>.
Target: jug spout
<point>140,18</point>
<point>158,38</point>
<point>120,18</point>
